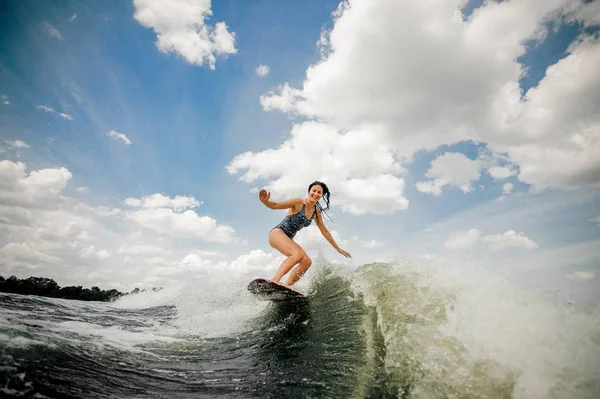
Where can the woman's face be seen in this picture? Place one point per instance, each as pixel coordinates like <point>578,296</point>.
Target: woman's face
<point>315,193</point>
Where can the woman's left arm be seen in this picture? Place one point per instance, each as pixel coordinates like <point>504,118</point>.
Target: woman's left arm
<point>328,235</point>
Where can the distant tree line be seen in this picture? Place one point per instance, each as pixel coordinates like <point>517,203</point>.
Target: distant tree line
<point>42,286</point>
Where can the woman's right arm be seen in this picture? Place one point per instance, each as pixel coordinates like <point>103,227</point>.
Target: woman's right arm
<point>264,196</point>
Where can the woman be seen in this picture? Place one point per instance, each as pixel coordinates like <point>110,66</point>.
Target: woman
<point>281,236</point>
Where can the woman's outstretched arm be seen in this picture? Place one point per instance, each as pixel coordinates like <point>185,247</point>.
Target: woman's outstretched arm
<point>328,235</point>
<point>264,196</point>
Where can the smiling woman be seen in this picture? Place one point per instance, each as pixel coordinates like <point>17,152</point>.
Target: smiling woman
<point>281,236</point>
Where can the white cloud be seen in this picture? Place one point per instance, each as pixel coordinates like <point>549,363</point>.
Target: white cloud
<point>142,250</point>
<point>50,241</point>
<point>463,240</point>
<point>496,242</point>
<point>16,144</point>
<point>256,262</point>
<point>61,114</point>
<point>26,255</point>
<point>85,236</point>
<point>433,187</point>
<point>46,233</point>
<point>52,31</point>
<point>379,195</point>
<point>581,275</point>
<point>178,203</point>
<point>4,99</point>
<point>429,78</point>
<point>191,263</point>
<point>180,28</point>
<point>186,224</point>
<point>360,169</point>
<point>262,70</point>
<point>589,15</point>
<point>500,172</point>
<point>510,238</point>
<point>453,169</point>
<point>38,188</point>
<point>284,100</point>
<point>311,239</point>
<point>119,136</point>
<point>92,253</point>
<point>371,244</point>
<point>582,255</point>
<point>595,220</point>
<point>82,189</point>
<point>507,188</point>
<point>73,17</point>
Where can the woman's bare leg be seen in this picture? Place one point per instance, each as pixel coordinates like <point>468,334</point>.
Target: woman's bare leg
<point>285,245</point>
<point>299,270</point>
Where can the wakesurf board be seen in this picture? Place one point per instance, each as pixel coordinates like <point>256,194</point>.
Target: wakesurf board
<point>268,290</point>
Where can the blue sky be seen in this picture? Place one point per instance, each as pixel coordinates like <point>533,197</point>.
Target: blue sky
<point>414,86</point>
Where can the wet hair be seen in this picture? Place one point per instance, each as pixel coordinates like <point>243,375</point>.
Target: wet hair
<point>326,195</point>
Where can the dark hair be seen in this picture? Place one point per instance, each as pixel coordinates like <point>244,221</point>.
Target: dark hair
<point>326,195</point>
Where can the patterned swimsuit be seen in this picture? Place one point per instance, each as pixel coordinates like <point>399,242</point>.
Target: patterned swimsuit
<point>291,224</point>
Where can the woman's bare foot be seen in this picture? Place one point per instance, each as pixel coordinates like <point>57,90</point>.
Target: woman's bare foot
<point>278,283</point>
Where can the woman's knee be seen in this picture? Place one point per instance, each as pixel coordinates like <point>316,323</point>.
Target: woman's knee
<point>297,256</point>
<point>305,262</point>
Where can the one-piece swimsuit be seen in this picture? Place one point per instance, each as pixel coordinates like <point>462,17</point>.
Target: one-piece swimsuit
<point>292,224</point>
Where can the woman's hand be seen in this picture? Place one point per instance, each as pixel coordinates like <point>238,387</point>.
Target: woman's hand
<point>264,195</point>
<point>346,254</point>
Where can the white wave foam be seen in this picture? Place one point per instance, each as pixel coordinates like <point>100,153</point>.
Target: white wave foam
<point>214,307</point>
<point>116,336</point>
<point>455,323</point>
<point>22,342</point>
<point>150,299</point>
<point>211,305</point>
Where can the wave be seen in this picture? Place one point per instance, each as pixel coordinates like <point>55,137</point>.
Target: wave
<point>456,332</point>
<point>413,328</point>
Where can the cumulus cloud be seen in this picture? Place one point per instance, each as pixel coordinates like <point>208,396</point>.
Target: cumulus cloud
<point>500,172</point>
<point>4,99</point>
<point>507,188</point>
<point>429,78</point>
<point>143,250</point>
<point>158,200</point>
<point>581,275</point>
<point>181,28</point>
<point>37,188</point>
<point>46,233</point>
<point>495,242</point>
<point>311,239</point>
<point>42,235</point>
<point>256,262</point>
<point>262,70</point>
<point>26,255</point>
<point>463,240</point>
<point>595,220</point>
<point>453,169</point>
<point>361,170</point>
<point>92,253</point>
<point>119,136</point>
<point>50,110</point>
<point>371,244</point>
<point>164,215</point>
<point>508,239</point>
